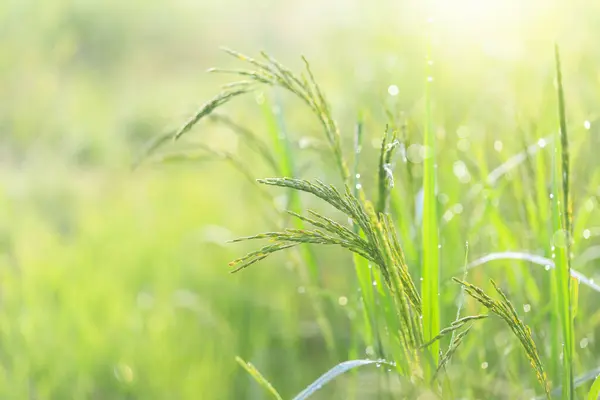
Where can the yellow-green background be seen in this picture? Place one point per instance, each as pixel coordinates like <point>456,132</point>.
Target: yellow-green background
<point>114,282</point>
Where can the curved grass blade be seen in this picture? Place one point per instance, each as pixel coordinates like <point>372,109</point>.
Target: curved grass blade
<point>259,378</point>
<point>535,259</point>
<point>334,373</point>
<point>580,380</point>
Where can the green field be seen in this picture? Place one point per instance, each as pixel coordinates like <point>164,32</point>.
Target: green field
<point>114,276</point>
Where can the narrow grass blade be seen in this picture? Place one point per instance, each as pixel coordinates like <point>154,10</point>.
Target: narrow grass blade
<point>364,273</point>
<point>562,238</point>
<point>334,373</point>
<point>259,378</point>
<point>594,393</point>
<point>430,238</point>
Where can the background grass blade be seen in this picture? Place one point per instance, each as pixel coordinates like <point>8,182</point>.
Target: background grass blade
<point>334,373</point>
<point>273,116</point>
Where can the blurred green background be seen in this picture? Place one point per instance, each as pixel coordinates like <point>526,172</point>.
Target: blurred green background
<point>114,281</point>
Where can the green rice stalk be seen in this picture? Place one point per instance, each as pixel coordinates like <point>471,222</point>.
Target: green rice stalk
<point>385,178</point>
<point>561,218</point>
<point>505,310</point>
<point>377,243</point>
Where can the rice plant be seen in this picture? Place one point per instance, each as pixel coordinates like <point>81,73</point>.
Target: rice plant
<point>412,338</point>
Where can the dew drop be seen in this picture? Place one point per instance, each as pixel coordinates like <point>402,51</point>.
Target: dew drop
<point>542,143</point>
<point>370,351</point>
<point>547,267</point>
<point>498,146</point>
<point>586,234</point>
<point>461,171</point>
<point>374,283</point>
<point>123,373</point>
<point>357,176</point>
<point>342,301</point>
<point>484,365</point>
<point>584,342</point>
<point>358,186</point>
<point>413,153</point>
<point>587,125</point>
<point>393,90</point>
<point>301,289</point>
<point>430,79</point>
<point>560,238</point>
<point>527,308</point>
<point>463,145</point>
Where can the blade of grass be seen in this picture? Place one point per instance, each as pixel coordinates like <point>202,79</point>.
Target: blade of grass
<point>430,238</point>
<point>259,378</point>
<point>334,373</point>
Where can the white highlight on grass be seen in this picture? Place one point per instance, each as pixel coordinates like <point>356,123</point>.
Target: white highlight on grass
<point>587,124</point>
<point>535,259</point>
